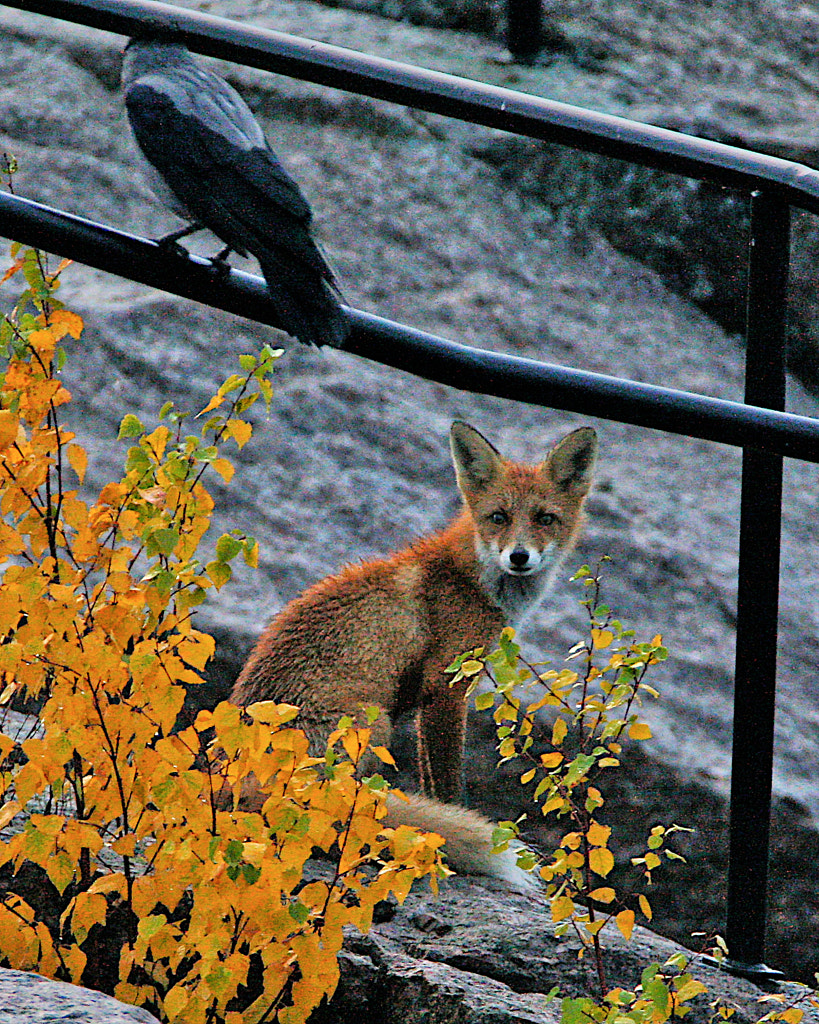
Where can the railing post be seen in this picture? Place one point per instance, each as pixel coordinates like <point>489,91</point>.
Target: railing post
<point>524,31</point>
<point>758,595</point>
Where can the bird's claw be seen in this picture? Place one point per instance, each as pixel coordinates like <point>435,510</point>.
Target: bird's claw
<point>220,263</point>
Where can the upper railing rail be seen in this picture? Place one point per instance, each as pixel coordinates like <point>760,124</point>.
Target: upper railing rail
<point>440,93</point>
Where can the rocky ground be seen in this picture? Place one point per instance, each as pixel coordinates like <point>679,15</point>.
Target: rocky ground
<point>468,234</point>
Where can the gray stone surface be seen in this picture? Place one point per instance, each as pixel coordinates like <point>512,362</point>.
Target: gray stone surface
<point>31,999</point>
<point>475,956</point>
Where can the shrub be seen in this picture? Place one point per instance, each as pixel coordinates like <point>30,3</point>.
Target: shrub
<point>139,827</point>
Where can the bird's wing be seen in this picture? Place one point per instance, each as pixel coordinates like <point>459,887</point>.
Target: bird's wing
<point>193,143</point>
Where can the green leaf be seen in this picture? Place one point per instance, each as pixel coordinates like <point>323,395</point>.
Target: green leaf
<point>131,426</point>
<point>657,992</point>
<point>149,926</point>
<point>163,541</point>
<point>60,869</point>
<point>219,572</point>
<point>298,912</point>
<point>251,873</point>
<point>234,851</point>
<point>576,1011</point>
<point>137,461</point>
<point>227,547</point>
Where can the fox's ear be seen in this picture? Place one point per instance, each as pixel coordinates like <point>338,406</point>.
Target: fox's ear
<point>476,462</point>
<point>570,463</point>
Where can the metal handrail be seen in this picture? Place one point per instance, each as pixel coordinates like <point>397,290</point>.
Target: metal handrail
<point>759,425</point>
<point>419,352</point>
<point>461,98</point>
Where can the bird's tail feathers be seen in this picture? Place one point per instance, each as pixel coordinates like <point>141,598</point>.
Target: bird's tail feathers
<point>308,306</point>
<point>468,839</point>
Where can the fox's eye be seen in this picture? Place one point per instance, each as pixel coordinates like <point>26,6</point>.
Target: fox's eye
<point>546,518</point>
<point>499,517</point>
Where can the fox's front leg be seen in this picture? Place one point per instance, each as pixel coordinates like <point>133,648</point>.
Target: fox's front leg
<point>441,737</point>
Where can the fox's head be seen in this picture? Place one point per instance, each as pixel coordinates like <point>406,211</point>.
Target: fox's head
<point>526,518</point>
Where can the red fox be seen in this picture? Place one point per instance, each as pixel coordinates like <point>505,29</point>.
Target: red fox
<point>383,632</point>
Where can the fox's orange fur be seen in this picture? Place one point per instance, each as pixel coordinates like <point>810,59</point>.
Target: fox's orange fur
<point>383,632</point>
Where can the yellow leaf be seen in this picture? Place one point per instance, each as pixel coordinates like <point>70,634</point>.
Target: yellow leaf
<point>78,460</point>
<point>601,861</point>
<point>551,760</point>
<point>562,907</point>
<point>75,961</point>
<point>87,909</point>
<point>625,922</point>
<point>272,713</point>
<point>559,730</point>
<point>8,812</point>
<point>125,846</point>
<point>214,403</point>
<point>639,731</point>
<point>383,755</point>
<point>43,341</point>
<point>602,638</point>
<point>175,1002</point>
<point>645,906</point>
<point>64,321</point>
<point>604,895</point>
<point>224,468</point>
<point>240,431</point>
<point>598,835</point>
<point>354,742</point>
<point>17,265</point>
<point>9,423</point>
<point>695,988</point>
<point>110,883</point>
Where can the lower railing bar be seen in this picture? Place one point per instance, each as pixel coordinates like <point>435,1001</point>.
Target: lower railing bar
<point>417,352</point>
<point>757,595</point>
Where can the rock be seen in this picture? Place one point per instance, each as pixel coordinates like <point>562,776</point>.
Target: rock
<point>352,460</point>
<point>32,999</point>
<point>496,961</point>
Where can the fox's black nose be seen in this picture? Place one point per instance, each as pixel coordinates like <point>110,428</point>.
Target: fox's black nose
<point>519,558</point>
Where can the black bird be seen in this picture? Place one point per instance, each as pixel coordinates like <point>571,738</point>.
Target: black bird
<point>208,160</point>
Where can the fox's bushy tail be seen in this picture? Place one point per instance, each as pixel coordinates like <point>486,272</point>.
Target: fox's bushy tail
<point>468,836</point>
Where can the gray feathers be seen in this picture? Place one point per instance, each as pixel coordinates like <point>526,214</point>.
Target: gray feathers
<point>209,162</point>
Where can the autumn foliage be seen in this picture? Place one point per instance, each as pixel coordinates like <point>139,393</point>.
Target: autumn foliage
<point>136,819</point>
<point>569,728</point>
<point>134,822</point>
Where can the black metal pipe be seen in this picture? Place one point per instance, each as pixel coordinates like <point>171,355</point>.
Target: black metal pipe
<point>417,352</point>
<point>456,97</point>
<point>758,595</point>
<point>524,31</point>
